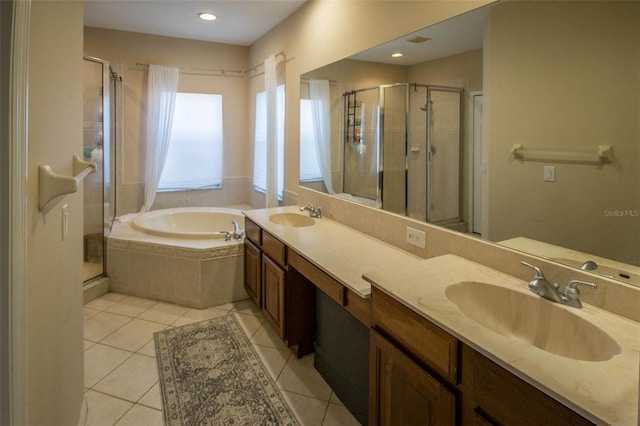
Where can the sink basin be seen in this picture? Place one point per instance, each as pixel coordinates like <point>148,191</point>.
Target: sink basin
<point>533,320</point>
<point>293,220</point>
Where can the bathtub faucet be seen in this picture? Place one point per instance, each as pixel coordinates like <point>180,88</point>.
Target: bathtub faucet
<point>237,232</point>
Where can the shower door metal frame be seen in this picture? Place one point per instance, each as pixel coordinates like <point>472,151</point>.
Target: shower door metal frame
<point>107,75</point>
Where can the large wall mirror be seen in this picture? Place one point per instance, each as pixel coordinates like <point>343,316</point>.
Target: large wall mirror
<point>518,122</point>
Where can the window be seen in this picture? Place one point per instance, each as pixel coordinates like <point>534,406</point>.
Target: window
<point>194,159</point>
<point>309,164</point>
<point>260,148</point>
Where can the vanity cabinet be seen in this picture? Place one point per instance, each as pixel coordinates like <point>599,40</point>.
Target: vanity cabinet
<point>420,374</point>
<point>253,272</point>
<point>402,392</point>
<point>253,262</point>
<point>265,272</point>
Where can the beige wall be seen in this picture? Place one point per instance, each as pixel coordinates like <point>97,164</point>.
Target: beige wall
<point>580,69</point>
<point>54,295</point>
<point>125,50</point>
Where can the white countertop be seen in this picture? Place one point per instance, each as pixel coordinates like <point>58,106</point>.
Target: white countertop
<point>337,250</point>
<point>605,392</point>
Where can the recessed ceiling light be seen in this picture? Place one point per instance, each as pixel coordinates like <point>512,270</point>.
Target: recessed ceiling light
<point>206,16</point>
<point>397,55</point>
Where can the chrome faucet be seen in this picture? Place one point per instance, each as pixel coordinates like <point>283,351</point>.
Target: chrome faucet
<point>313,211</point>
<point>570,296</point>
<point>237,232</point>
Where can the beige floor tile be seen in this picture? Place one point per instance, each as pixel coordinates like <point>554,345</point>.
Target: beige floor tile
<point>131,306</point>
<point>153,398</point>
<point>132,379</point>
<point>133,335</point>
<point>88,344</point>
<point>267,336</point>
<point>100,360</point>
<point>102,325</point>
<point>301,377</point>
<point>104,410</point>
<point>197,315</point>
<point>89,313</point>
<point>247,307</point>
<point>139,415</point>
<point>105,301</point>
<point>250,324</point>
<point>308,411</point>
<point>338,415</point>
<point>273,359</point>
<point>164,313</point>
<point>149,349</point>
<point>226,306</point>
<point>334,399</point>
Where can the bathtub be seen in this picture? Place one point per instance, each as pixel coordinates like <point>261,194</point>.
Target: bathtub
<point>189,222</point>
<point>179,256</point>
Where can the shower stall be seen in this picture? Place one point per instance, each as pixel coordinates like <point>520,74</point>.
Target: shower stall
<point>101,95</point>
<point>402,149</point>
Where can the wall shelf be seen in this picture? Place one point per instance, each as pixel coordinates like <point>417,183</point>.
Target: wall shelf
<point>602,156</point>
<point>52,184</point>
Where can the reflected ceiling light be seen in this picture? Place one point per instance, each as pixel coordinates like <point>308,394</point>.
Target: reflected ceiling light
<point>397,55</point>
<point>206,16</point>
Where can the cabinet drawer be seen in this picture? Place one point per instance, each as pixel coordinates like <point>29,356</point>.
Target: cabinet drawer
<point>319,278</point>
<point>274,248</point>
<point>253,232</point>
<point>425,341</point>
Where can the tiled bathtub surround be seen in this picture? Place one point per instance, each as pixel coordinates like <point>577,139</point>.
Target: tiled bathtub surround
<point>195,273</point>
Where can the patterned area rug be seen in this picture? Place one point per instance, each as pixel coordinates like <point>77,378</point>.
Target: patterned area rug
<point>210,374</point>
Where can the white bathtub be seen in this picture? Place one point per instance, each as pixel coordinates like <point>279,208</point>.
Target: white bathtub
<point>189,222</point>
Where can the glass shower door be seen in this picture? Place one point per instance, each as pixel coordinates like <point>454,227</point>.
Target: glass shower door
<point>444,155</point>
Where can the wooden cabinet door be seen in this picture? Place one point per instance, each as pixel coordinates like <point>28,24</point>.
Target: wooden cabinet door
<point>402,393</point>
<point>273,293</point>
<point>253,272</point>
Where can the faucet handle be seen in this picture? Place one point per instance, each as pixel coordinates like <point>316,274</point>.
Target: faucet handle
<point>571,290</point>
<point>539,275</point>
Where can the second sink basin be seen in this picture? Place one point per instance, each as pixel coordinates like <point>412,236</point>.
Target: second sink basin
<point>533,320</point>
<point>294,220</point>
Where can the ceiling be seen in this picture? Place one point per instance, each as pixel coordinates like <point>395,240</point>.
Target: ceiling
<point>456,35</point>
<point>239,22</point>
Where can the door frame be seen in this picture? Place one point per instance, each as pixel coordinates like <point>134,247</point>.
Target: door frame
<point>13,279</point>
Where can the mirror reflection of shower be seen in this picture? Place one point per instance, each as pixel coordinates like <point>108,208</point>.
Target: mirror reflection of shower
<point>101,96</point>
<point>402,150</point>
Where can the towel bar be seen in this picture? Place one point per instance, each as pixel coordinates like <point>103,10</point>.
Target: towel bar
<point>52,184</point>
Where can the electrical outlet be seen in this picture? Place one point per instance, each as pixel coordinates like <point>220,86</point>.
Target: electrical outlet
<point>65,221</point>
<point>416,237</point>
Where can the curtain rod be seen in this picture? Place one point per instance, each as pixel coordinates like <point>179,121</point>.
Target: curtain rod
<point>255,67</point>
<point>222,72</point>
<point>204,71</point>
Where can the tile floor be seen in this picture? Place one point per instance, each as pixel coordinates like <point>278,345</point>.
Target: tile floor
<point>121,378</point>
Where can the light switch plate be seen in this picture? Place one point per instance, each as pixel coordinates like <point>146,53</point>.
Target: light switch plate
<point>65,221</point>
<point>549,174</point>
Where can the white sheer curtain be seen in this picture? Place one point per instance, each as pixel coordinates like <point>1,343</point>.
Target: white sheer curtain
<point>271,93</point>
<point>321,119</point>
<point>161,98</point>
